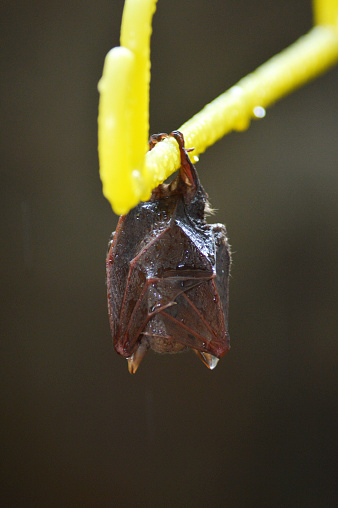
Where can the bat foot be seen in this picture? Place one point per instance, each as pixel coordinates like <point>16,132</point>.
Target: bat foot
<point>136,358</point>
<point>209,360</point>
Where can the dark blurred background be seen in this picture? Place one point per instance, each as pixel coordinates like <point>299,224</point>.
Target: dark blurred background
<point>77,429</point>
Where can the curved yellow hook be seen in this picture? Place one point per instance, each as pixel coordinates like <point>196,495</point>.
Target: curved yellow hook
<point>123,120</point>
<point>128,172</point>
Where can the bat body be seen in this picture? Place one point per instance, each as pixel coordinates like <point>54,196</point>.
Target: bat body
<point>167,274</point>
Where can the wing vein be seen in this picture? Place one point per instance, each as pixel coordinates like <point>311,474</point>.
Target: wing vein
<point>204,321</point>
<point>197,335</point>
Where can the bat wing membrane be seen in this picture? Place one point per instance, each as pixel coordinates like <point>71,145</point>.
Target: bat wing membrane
<point>148,290</point>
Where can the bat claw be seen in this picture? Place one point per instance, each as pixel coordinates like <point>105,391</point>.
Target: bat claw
<point>136,358</point>
<point>209,360</point>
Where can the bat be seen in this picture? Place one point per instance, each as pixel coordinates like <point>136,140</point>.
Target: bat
<point>168,273</point>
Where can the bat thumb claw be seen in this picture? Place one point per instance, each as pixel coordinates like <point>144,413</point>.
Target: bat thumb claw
<point>209,360</point>
<point>136,358</point>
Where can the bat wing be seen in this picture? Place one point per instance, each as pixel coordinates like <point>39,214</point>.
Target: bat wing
<point>199,318</point>
<point>170,264</point>
<point>196,321</point>
<point>134,232</point>
<point>172,293</point>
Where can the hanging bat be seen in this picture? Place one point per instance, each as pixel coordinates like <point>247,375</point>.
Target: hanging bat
<point>168,273</point>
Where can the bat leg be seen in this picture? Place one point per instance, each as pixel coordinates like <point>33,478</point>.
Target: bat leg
<point>156,138</point>
<point>136,358</point>
<point>187,170</point>
<point>209,360</point>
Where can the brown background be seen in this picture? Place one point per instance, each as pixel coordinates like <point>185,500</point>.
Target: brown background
<point>77,429</point>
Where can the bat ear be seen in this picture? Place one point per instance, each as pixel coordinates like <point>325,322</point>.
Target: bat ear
<point>136,358</point>
<point>209,360</point>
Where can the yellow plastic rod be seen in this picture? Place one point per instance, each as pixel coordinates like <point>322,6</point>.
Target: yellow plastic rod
<point>123,122</point>
<point>308,57</point>
<point>325,12</point>
<point>128,173</point>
